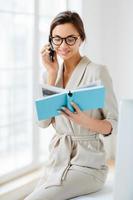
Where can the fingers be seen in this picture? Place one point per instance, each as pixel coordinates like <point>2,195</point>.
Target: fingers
<point>45,51</point>
<point>45,48</point>
<point>77,109</point>
<point>64,113</point>
<point>68,113</point>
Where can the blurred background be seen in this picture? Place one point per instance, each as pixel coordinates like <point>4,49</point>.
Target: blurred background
<point>24,29</point>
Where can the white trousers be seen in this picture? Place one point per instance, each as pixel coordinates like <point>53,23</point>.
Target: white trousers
<point>75,184</point>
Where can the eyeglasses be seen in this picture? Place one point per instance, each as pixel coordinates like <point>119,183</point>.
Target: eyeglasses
<point>69,40</point>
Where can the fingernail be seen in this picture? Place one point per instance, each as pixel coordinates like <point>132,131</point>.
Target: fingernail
<point>63,108</point>
<point>59,111</point>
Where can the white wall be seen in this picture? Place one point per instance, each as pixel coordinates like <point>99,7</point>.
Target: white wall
<point>109,30</point>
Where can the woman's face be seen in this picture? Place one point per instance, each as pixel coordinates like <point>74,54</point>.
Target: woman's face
<point>64,50</point>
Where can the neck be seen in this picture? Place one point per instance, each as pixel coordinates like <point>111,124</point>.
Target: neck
<point>70,64</point>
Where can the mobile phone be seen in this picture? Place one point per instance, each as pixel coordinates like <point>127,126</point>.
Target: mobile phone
<point>52,52</point>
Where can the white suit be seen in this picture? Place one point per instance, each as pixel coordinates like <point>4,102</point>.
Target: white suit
<point>77,163</point>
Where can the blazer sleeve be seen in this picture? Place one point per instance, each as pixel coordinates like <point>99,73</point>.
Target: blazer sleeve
<point>44,123</point>
<point>110,110</point>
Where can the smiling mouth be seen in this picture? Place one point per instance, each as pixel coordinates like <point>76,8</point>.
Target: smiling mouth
<point>63,52</point>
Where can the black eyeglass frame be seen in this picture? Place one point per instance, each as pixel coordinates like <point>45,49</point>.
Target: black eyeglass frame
<point>65,38</point>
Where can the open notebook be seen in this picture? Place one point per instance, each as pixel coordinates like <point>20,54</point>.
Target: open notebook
<point>87,98</point>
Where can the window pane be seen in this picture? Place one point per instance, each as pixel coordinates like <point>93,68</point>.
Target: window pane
<point>15,145</point>
<point>51,8</point>
<point>16,40</point>
<point>17,5</point>
<point>16,103</point>
<point>15,118</point>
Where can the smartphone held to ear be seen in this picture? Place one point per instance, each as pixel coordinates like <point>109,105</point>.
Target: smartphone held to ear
<point>52,52</point>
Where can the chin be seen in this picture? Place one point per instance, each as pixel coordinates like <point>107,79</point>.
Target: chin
<point>66,57</point>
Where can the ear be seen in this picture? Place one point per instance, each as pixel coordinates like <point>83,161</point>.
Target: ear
<point>80,43</point>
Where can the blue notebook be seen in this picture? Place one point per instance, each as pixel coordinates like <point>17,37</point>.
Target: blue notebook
<point>87,98</point>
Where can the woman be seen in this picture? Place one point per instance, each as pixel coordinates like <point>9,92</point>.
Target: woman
<point>77,163</point>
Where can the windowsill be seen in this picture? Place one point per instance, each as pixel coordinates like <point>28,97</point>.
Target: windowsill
<point>21,187</point>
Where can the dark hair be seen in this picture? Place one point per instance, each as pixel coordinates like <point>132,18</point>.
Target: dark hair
<point>69,17</point>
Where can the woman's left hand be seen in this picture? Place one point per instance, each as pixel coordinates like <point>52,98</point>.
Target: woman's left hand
<point>78,116</point>
<point>81,118</point>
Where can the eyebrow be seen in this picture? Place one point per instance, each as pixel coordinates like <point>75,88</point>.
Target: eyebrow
<point>72,35</point>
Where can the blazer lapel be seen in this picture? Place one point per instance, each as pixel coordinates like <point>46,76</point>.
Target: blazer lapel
<point>59,80</point>
<point>78,73</point>
<point>76,76</point>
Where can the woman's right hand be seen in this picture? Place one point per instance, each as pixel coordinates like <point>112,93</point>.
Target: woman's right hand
<point>51,66</point>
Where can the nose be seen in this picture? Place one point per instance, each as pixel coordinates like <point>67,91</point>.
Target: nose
<point>63,44</point>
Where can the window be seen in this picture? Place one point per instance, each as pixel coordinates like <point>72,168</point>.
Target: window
<point>24,29</point>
